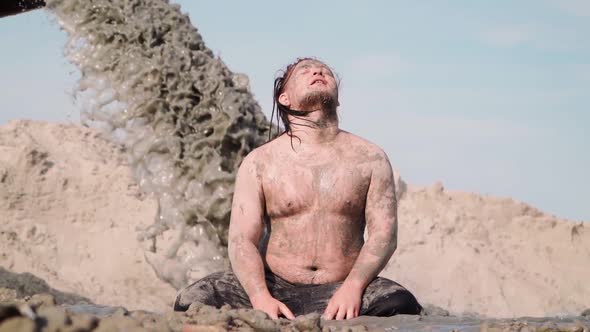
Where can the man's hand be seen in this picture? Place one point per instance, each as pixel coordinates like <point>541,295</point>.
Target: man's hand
<point>345,303</point>
<point>271,306</point>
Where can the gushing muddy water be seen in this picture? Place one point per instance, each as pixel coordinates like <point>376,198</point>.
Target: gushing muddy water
<point>186,121</point>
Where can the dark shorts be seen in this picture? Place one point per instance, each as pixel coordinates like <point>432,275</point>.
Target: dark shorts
<point>382,297</point>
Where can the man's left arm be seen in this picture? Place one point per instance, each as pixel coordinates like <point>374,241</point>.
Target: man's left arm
<point>381,218</point>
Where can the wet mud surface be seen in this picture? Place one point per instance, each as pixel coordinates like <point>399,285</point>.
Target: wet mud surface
<point>41,313</point>
<point>21,309</point>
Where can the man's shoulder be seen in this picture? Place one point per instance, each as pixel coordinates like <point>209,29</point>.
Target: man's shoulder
<point>261,152</point>
<point>364,144</point>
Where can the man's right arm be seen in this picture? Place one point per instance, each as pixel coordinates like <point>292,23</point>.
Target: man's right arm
<point>245,230</point>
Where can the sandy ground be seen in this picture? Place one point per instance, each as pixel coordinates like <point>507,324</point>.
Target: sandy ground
<point>69,213</point>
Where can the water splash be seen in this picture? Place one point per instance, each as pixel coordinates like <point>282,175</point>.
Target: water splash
<point>185,119</point>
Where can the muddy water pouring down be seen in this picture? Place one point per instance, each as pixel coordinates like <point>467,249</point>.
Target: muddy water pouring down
<point>185,120</point>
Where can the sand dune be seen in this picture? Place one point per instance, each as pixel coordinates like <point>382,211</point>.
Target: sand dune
<point>493,256</point>
<point>69,213</point>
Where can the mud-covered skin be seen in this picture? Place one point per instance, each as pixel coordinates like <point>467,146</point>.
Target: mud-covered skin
<point>382,297</point>
<point>315,201</point>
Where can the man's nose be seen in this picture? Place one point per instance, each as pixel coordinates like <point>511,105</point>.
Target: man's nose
<point>318,71</point>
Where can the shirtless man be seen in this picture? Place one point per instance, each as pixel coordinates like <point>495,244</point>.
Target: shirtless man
<point>300,207</point>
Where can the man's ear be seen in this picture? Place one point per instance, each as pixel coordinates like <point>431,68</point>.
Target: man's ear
<point>284,100</point>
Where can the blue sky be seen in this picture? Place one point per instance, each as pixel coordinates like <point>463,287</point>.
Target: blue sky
<point>490,97</point>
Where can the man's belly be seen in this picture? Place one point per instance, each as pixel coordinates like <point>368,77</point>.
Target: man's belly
<point>298,272</point>
<point>303,258</point>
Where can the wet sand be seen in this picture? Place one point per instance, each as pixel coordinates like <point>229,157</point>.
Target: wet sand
<point>28,303</point>
<point>43,312</point>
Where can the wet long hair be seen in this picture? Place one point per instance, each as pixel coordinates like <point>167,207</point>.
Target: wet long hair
<point>281,111</point>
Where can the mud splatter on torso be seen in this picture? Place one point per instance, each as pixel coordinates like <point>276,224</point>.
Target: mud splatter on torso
<point>315,200</point>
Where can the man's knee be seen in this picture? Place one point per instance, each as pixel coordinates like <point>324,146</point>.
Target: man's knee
<point>399,302</point>
<point>202,291</point>
<point>385,297</point>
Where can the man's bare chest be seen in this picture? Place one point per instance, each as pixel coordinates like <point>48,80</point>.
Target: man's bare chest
<point>292,188</point>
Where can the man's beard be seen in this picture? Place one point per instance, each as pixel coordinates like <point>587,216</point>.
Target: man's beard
<point>319,100</point>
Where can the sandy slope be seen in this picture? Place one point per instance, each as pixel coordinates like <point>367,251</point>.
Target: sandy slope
<point>493,256</point>
<point>69,212</point>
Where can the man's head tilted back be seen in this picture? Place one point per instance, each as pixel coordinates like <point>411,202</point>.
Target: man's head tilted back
<point>305,86</point>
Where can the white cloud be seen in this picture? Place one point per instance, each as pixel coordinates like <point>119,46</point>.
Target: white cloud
<point>379,65</point>
<point>461,128</point>
<point>545,37</point>
<point>584,72</point>
<point>573,7</point>
<point>507,36</point>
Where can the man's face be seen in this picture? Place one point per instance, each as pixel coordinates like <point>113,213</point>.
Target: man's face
<point>311,84</point>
